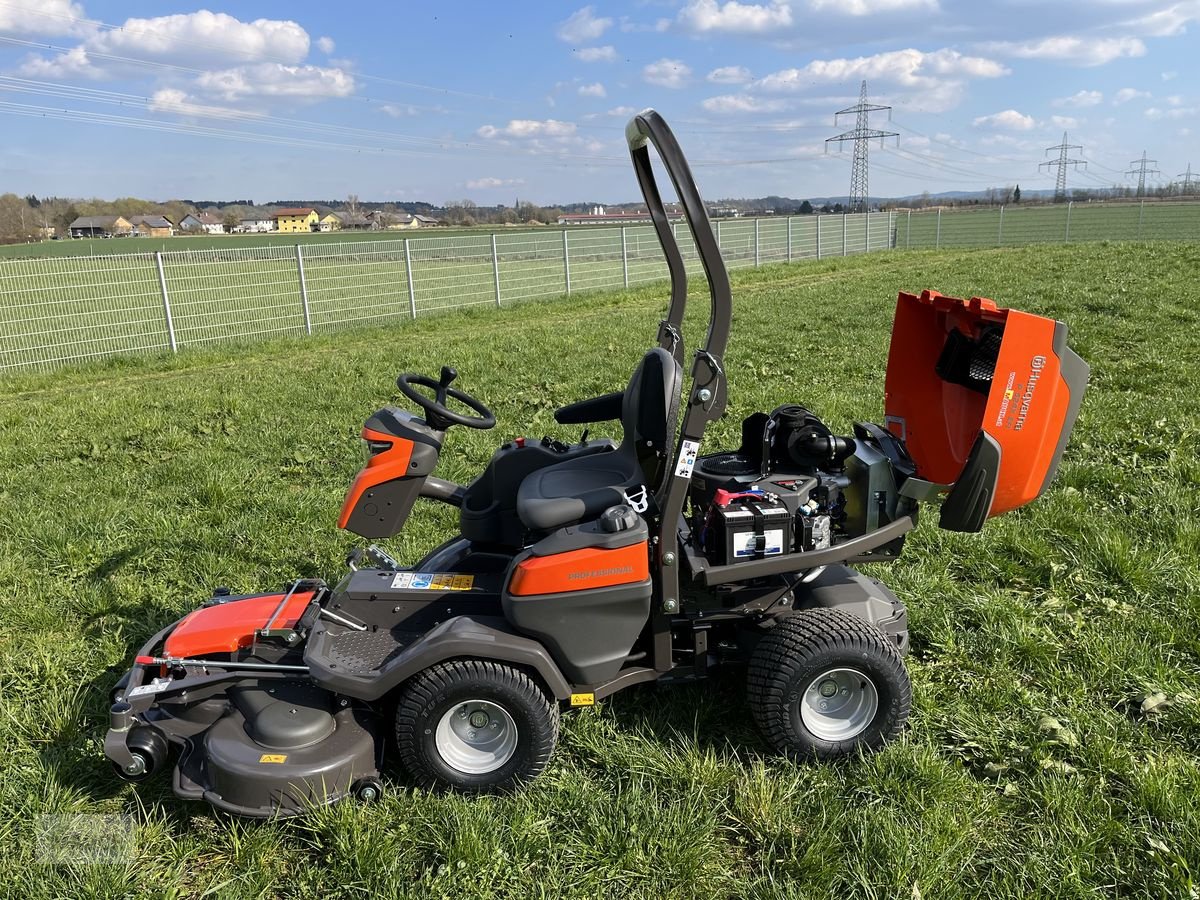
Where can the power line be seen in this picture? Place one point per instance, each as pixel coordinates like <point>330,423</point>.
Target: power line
<point>1060,182</point>
<point>1141,168</point>
<point>862,135</point>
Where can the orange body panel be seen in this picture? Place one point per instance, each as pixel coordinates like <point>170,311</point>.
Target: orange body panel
<point>1025,409</point>
<point>579,570</point>
<point>392,463</point>
<point>228,627</point>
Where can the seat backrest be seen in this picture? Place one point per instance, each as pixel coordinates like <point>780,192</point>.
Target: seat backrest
<point>650,413</point>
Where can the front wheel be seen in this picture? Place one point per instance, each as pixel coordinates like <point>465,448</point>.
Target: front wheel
<point>824,683</point>
<point>475,725</point>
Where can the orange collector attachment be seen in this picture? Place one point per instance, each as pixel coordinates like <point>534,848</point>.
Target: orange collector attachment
<point>984,398</point>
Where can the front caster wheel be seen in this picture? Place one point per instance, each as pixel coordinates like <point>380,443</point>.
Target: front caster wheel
<point>475,725</point>
<point>149,750</point>
<point>824,683</point>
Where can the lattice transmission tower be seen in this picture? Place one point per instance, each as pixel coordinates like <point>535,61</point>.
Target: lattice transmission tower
<point>1060,182</point>
<point>1188,183</point>
<point>862,135</point>
<point>1141,168</point>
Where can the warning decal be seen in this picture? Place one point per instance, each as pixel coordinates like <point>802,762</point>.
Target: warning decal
<point>433,581</point>
<point>687,459</point>
<point>273,758</point>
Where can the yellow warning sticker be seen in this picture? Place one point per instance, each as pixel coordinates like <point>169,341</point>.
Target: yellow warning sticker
<point>1008,395</point>
<point>273,758</point>
<point>433,581</point>
<point>583,699</point>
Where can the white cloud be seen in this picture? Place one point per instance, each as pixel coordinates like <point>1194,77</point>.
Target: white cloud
<point>1167,22</point>
<point>870,7</point>
<point>483,184</point>
<point>592,90</point>
<point>729,75</point>
<point>205,37</point>
<point>172,100</point>
<point>41,17</point>
<point>741,103</point>
<point>1124,95</point>
<point>732,17</point>
<point>529,128</point>
<point>1170,76</point>
<point>1067,122</point>
<point>1078,51</point>
<point>1080,99</point>
<point>583,26</point>
<point>607,53</point>
<point>276,80</point>
<point>326,45</point>
<point>399,110</point>
<point>1009,119</point>
<point>1177,112</point>
<point>75,63</point>
<point>668,73</point>
<point>621,112</point>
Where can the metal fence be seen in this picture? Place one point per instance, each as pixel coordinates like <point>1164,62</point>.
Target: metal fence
<point>65,309</point>
<point>1019,225</point>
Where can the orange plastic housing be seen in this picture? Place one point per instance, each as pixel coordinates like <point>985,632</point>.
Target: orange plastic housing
<point>1027,411</point>
<point>382,467</point>
<point>231,626</point>
<point>579,570</point>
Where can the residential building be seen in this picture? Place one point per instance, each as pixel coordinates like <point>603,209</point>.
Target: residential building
<point>151,226</point>
<point>257,225</point>
<point>202,222</point>
<point>294,221</point>
<point>329,222</point>
<point>99,226</point>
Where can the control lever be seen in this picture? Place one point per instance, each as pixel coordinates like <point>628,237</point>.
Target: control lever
<point>449,373</point>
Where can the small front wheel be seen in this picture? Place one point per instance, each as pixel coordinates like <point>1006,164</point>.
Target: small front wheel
<point>475,725</point>
<point>824,683</point>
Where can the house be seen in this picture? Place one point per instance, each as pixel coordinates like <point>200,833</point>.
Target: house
<point>424,221</point>
<point>202,221</point>
<point>329,222</point>
<point>152,226</point>
<point>99,226</point>
<point>256,225</point>
<point>295,221</point>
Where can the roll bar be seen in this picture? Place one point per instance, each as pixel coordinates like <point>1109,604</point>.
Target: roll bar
<point>648,127</point>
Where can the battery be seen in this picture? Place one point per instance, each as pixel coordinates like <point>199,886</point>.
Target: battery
<point>749,528</point>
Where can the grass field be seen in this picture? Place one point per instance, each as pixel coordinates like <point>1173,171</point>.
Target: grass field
<point>1055,740</point>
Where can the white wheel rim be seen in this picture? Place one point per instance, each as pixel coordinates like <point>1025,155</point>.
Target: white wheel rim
<point>839,704</point>
<point>476,737</point>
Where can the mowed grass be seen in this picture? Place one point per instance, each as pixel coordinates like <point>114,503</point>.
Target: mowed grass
<point>1054,749</point>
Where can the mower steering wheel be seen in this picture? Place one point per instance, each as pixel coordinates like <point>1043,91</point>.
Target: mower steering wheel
<point>438,415</point>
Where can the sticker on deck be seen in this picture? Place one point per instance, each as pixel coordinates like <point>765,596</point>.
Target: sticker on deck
<point>687,459</point>
<point>433,581</point>
<point>583,699</point>
<point>273,758</point>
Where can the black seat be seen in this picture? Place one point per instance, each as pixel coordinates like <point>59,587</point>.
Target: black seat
<point>578,489</point>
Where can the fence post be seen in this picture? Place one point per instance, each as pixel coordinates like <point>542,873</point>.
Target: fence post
<point>937,243</point>
<point>1141,212</point>
<point>624,256</point>
<point>496,269</point>
<point>908,232</point>
<point>719,247</point>
<point>845,252</point>
<point>408,275</point>
<point>162,283</point>
<point>867,238</point>
<point>303,290</point>
<point>756,221</point>
<point>1000,230</point>
<point>1067,236</point>
<point>789,226</point>
<point>566,260</point>
<point>818,235</point>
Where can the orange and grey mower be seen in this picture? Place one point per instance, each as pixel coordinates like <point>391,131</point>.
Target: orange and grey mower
<point>581,569</point>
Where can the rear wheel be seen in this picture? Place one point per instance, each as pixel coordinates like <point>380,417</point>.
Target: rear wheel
<point>824,683</point>
<point>475,726</point>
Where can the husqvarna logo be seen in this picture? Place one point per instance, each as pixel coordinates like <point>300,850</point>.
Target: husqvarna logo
<point>1035,372</point>
<point>601,573</point>
<point>1014,407</point>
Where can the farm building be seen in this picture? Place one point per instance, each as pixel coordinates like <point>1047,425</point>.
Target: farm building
<point>293,221</point>
<point>357,223</point>
<point>151,226</point>
<point>257,225</point>
<point>99,226</point>
<point>202,221</point>
<point>424,221</point>
<point>330,222</point>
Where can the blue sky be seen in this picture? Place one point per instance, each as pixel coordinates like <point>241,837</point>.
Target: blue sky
<point>440,101</point>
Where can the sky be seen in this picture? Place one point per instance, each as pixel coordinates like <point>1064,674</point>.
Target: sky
<point>498,101</point>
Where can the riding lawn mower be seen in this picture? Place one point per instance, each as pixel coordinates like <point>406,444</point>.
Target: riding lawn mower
<point>582,569</point>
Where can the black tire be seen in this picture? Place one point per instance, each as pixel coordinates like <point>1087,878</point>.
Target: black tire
<point>431,695</point>
<point>148,746</point>
<point>788,661</point>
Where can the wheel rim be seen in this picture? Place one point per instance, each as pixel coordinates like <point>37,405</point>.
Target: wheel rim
<point>476,737</point>
<point>839,704</point>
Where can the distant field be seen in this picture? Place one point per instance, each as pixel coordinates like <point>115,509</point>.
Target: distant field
<point>1055,738</point>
